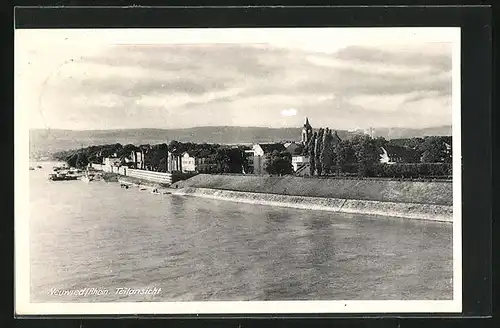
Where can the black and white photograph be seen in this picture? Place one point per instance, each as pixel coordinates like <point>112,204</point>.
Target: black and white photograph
<point>237,170</point>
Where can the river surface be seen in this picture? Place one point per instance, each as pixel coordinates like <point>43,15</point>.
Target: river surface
<point>98,235</point>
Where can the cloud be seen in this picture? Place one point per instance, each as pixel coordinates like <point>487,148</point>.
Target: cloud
<point>169,86</point>
<point>289,112</point>
<point>434,55</point>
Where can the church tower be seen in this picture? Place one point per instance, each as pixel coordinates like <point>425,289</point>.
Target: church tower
<point>306,132</point>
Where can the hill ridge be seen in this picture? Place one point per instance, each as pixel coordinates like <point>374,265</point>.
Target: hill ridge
<point>44,142</point>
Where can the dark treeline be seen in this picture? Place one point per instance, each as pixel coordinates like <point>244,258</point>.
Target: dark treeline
<point>218,158</point>
<point>360,155</point>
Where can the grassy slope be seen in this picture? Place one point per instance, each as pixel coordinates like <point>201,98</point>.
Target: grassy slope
<point>439,193</point>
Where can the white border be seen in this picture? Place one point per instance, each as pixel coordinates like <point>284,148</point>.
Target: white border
<point>457,168</point>
<point>23,306</point>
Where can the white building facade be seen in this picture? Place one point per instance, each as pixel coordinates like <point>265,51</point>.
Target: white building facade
<point>299,161</point>
<point>188,163</point>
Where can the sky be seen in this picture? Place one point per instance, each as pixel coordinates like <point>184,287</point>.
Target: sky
<point>178,78</point>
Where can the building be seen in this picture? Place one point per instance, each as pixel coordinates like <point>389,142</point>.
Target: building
<point>111,161</point>
<point>384,157</point>
<point>136,160</point>
<point>192,161</point>
<point>188,162</point>
<point>369,131</point>
<point>298,161</point>
<point>267,148</point>
<point>259,153</point>
<point>307,132</point>
<point>391,154</point>
<point>111,164</point>
<point>174,162</point>
<point>250,161</point>
<point>293,147</point>
<point>448,153</point>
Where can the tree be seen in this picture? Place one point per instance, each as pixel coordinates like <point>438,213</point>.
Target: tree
<point>317,150</point>
<point>279,163</point>
<point>126,151</point>
<point>412,143</point>
<point>162,165</point>
<point>344,155</point>
<point>230,160</point>
<point>245,165</point>
<point>176,147</point>
<point>367,154</point>
<point>93,158</point>
<point>434,150</point>
<point>76,159</point>
<point>82,160</point>
<point>238,160</point>
<point>380,142</point>
<point>71,160</point>
<point>310,151</point>
<point>157,154</point>
<point>146,153</point>
<point>110,150</point>
<point>300,150</point>
<point>327,152</point>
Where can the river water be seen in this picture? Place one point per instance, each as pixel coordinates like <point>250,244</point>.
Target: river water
<point>98,235</point>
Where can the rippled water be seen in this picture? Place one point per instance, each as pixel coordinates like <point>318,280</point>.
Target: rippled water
<point>100,236</point>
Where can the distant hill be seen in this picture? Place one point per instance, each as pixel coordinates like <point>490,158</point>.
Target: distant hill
<point>43,143</point>
<point>401,133</point>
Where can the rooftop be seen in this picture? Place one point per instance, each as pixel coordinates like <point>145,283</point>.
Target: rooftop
<point>270,147</point>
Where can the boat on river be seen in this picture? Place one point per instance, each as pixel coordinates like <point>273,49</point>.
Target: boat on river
<point>38,166</point>
<point>87,178</point>
<point>60,167</point>
<point>61,177</point>
<point>32,168</point>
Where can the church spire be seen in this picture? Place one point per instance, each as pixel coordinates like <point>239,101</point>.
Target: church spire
<point>306,132</point>
<point>307,122</point>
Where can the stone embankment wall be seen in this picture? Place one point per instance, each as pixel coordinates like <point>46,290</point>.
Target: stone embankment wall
<point>437,193</point>
<point>158,177</point>
<point>405,199</point>
<point>403,210</point>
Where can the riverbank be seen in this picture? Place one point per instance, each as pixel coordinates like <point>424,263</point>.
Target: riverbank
<point>430,212</point>
<point>110,177</point>
<point>137,182</point>
<point>436,193</point>
<point>405,199</point>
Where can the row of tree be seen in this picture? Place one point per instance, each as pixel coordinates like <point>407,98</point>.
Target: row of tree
<point>279,163</point>
<point>327,154</point>
<point>218,158</point>
<point>330,155</point>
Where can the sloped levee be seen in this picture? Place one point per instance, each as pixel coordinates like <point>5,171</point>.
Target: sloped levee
<point>436,193</point>
<point>431,212</point>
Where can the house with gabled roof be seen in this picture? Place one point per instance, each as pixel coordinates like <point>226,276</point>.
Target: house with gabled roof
<point>294,148</point>
<point>192,159</point>
<point>266,148</point>
<point>257,155</point>
<point>390,154</point>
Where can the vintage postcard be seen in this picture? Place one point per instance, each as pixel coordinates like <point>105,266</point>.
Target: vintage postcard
<point>228,171</point>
